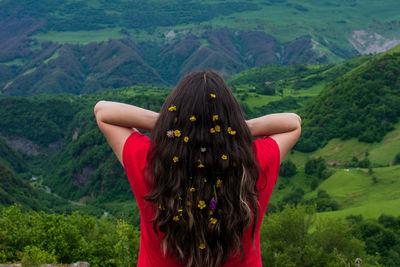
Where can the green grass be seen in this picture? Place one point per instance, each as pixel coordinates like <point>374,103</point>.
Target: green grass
<point>16,62</point>
<point>384,152</point>
<point>342,151</point>
<point>256,100</point>
<point>54,56</point>
<point>83,37</point>
<point>355,188</point>
<point>371,210</point>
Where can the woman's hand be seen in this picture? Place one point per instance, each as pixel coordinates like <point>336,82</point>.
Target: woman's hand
<point>284,128</point>
<point>117,121</point>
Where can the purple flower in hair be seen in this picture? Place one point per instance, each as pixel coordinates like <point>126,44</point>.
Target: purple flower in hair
<point>213,204</point>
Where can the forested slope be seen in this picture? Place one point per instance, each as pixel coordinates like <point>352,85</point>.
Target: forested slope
<point>364,103</point>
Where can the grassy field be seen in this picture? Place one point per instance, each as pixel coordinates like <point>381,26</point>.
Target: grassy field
<point>341,151</point>
<point>82,37</point>
<point>354,189</point>
<point>370,210</point>
<point>357,193</point>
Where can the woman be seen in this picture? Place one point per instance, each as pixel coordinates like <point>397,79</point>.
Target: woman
<point>201,183</point>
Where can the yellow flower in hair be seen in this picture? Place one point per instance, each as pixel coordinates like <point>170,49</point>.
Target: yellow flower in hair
<point>175,159</point>
<point>192,189</point>
<point>217,128</point>
<point>230,131</point>
<point>180,212</point>
<point>175,119</point>
<point>188,203</point>
<point>219,183</point>
<point>192,119</point>
<point>213,220</point>
<point>202,246</point>
<point>172,108</point>
<point>213,95</point>
<point>176,218</point>
<point>215,117</point>
<point>201,204</point>
<point>186,139</point>
<point>205,180</point>
<point>211,212</point>
<point>224,157</point>
<point>212,130</point>
<point>201,165</point>
<point>177,133</point>
<point>160,207</point>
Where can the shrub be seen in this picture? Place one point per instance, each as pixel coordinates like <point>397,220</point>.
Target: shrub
<point>365,163</point>
<point>314,183</point>
<point>317,166</point>
<point>396,160</point>
<point>287,169</point>
<point>34,256</point>
<point>293,197</point>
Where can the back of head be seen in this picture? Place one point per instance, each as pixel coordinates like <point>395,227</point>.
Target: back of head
<point>203,172</point>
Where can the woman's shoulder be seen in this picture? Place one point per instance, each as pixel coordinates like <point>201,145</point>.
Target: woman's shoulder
<point>136,148</point>
<point>268,156</point>
<point>266,145</point>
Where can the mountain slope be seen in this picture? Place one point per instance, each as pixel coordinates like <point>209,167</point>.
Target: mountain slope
<point>81,69</point>
<point>82,47</point>
<point>364,103</point>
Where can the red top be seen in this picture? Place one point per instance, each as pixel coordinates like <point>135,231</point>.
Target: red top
<point>134,157</point>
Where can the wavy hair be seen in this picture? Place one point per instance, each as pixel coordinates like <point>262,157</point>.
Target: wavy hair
<point>203,173</point>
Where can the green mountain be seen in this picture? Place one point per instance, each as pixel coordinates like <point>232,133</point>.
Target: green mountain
<point>82,47</point>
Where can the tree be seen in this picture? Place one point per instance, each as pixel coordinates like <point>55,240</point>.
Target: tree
<point>365,163</point>
<point>293,197</point>
<point>316,166</point>
<point>287,240</point>
<point>396,160</point>
<point>287,169</point>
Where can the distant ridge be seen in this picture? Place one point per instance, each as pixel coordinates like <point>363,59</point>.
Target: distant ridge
<point>82,69</point>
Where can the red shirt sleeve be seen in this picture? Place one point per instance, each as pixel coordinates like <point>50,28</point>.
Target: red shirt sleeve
<point>268,157</point>
<point>134,157</point>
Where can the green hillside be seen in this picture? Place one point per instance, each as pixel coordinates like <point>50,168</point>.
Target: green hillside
<point>14,190</point>
<point>301,82</point>
<point>364,103</point>
<point>342,151</point>
<point>82,167</point>
<point>357,193</point>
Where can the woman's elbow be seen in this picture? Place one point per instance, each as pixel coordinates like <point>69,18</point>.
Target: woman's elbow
<point>297,120</point>
<point>97,108</point>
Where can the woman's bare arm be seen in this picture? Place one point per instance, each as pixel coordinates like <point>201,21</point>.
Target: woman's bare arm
<point>117,121</point>
<point>284,128</point>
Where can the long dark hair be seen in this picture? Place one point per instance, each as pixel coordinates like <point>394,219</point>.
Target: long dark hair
<point>203,172</point>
